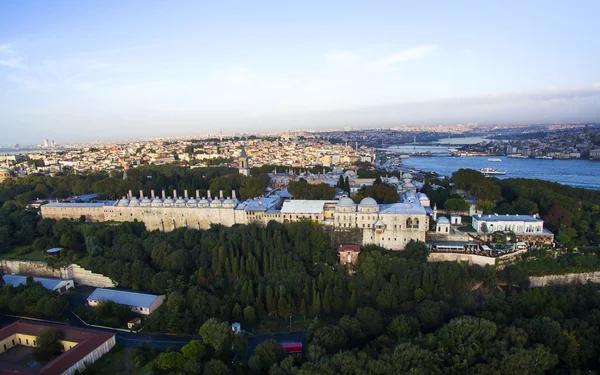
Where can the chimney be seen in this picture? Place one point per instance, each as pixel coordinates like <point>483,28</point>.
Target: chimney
<point>208,194</point>
<point>130,194</point>
<point>174,194</point>
<point>185,194</point>
<point>197,194</point>
<point>164,195</point>
<point>221,194</point>
<point>141,194</point>
<point>233,194</point>
<point>152,194</point>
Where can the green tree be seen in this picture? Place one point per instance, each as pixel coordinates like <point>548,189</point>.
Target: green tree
<point>218,335</point>
<point>48,344</point>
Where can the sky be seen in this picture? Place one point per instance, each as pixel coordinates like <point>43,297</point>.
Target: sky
<point>104,70</point>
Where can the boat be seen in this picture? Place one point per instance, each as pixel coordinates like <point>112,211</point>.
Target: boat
<point>491,171</point>
<point>544,157</point>
<point>494,159</point>
<point>517,156</point>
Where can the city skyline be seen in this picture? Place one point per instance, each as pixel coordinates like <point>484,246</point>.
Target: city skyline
<point>81,71</point>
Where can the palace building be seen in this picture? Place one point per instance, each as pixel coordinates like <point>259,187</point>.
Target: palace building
<point>388,225</point>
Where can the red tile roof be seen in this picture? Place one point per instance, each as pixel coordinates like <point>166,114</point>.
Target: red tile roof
<point>87,341</point>
<point>348,247</point>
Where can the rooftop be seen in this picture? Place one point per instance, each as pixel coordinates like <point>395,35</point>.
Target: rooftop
<point>87,341</point>
<point>101,204</point>
<point>47,282</point>
<point>123,297</point>
<point>401,208</point>
<point>304,206</point>
<point>349,247</point>
<point>527,218</point>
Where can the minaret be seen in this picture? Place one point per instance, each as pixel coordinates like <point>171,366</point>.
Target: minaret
<point>244,167</point>
<point>434,212</point>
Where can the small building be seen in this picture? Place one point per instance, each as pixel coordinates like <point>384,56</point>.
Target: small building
<point>455,219</point>
<point>236,328</point>
<point>442,225</point>
<point>79,348</point>
<point>291,347</point>
<point>348,254</point>
<point>140,303</point>
<point>133,322</point>
<point>58,285</point>
<point>54,252</point>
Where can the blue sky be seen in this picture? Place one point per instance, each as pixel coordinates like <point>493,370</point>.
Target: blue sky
<point>84,70</point>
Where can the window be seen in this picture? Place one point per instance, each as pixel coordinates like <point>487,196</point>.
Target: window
<point>27,341</point>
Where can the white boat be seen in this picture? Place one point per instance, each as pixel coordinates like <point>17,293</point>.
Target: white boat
<point>494,159</point>
<point>491,171</point>
<point>544,157</point>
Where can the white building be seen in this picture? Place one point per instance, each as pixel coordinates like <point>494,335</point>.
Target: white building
<point>140,303</point>
<point>520,224</point>
<point>58,285</point>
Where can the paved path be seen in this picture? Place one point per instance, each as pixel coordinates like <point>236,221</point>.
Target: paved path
<point>163,341</point>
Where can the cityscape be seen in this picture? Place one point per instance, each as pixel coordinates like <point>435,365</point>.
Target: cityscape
<point>255,188</point>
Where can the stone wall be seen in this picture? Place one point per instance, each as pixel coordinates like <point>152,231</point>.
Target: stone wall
<point>570,278</point>
<point>461,257</point>
<point>75,272</point>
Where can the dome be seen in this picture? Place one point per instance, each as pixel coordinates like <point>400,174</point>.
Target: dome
<point>157,202</point>
<point>407,176</point>
<point>345,202</point>
<point>368,202</point>
<point>228,202</point>
<point>134,202</point>
<point>203,201</point>
<point>168,202</point>
<point>409,185</point>
<point>180,202</point>
<point>443,220</point>
<point>192,203</point>
<point>124,202</point>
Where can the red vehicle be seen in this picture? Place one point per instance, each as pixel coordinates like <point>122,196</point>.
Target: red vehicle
<point>291,347</point>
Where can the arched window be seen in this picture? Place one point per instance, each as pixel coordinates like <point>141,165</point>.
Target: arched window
<point>409,223</point>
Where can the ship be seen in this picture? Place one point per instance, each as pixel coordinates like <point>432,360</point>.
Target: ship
<point>544,157</point>
<point>494,159</point>
<point>517,156</point>
<point>491,171</point>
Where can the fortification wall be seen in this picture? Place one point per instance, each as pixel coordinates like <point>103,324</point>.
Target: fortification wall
<point>75,272</point>
<point>570,278</point>
<point>460,257</point>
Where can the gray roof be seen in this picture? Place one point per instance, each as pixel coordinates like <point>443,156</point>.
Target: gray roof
<point>401,208</point>
<point>304,206</point>
<point>47,282</point>
<point>123,297</point>
<point>59,204</point>
<point>443,220</point>
<point>527,218</point>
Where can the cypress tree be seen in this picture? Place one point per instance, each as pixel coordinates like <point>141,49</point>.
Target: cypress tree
<point>307,292</point>
<point>303,308</point>
<point>352,302</point>
<point>317,305</point>
<point>244,294</point>
<point>271,306</point>
<point>250,293</point>
<point>327,300</point>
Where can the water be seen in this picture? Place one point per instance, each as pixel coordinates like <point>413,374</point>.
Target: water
<point>573,172</point>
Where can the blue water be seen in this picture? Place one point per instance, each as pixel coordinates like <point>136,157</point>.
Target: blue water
<point>573,172</point>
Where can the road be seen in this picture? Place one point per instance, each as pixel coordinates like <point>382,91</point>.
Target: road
<point>161,341</point>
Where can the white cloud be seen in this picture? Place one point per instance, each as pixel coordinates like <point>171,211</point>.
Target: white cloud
<point>391,62</point>
<point>340,58</point>
<point>9,57</point>
<point>238,76</point>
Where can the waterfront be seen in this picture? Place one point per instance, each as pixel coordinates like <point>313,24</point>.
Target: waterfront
<point>573,172</point>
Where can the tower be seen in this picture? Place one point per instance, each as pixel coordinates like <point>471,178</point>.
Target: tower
<point>244,167</point>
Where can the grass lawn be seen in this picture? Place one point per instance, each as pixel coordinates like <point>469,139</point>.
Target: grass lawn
<point>116,362</point>
<point>25,253</point>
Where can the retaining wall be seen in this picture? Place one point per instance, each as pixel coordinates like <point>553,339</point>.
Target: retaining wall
<point>570,278</point>
<point>75,272</point>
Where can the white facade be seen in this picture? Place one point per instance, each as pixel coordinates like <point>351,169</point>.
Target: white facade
<point>520,224</point>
